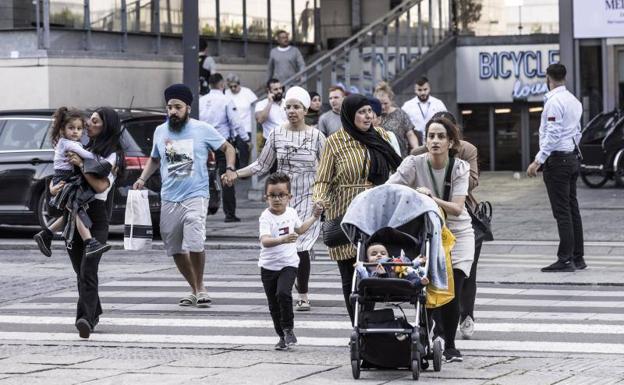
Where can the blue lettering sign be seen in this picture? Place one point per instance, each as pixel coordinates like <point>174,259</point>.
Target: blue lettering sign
<point>504,73</point>
<point>485,65</point>
<point>530,72</point>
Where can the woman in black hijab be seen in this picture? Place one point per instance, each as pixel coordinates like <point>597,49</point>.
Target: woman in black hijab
<point>355,158</point>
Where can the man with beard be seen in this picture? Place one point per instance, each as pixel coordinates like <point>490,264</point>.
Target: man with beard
<point>270,112</point>
<point>421,108</point>
<point>180,148</point>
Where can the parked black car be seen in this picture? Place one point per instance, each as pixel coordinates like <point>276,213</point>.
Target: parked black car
<point>602,147</point>
<point>26,165</point>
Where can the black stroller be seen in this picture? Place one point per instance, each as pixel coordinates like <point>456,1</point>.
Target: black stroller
<point>403,220</point>
<point>602,147</point>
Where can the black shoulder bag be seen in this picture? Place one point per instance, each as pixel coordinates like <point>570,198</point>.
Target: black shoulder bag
<point>482,222</point>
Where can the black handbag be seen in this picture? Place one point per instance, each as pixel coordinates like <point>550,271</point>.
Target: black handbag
<point>482,222</point>
<point>333,236</point>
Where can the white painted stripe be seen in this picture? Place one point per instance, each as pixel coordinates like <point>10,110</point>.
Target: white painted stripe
<point>552,243</point>
<point>522,257</point>
<point>71,295</point>
<point>552,328</point>
<point>536,264</point>
<point>563,347</point>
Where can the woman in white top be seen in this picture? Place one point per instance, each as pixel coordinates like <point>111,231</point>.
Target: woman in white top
<point>104,132</point>
<point>297,148</point>
<point>426,173</point>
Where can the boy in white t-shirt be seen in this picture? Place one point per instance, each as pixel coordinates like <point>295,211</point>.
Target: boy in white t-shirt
<point>279,228</point>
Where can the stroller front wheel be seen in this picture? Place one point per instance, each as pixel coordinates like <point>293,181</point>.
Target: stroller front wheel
<point>416,366</point>
<point>355,368</point>
<point>437,355</point>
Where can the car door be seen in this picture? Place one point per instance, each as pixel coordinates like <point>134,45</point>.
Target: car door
<point>22,161</point>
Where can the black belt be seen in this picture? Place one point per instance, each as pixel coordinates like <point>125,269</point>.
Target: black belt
<point>563,153</point>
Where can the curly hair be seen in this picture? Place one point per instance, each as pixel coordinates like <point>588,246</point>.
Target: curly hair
<point>61,118</point>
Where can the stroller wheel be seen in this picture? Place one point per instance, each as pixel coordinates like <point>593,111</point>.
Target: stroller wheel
<point>437,355</point>
<point>416,366</point>
<point>355,368</point>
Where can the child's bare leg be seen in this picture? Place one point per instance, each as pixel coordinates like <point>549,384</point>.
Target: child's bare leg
<point>57,225</point>
<point>83,230</point>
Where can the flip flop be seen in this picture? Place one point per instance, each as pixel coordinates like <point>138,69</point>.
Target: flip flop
<point>203,300</point>
<point>189,300</point>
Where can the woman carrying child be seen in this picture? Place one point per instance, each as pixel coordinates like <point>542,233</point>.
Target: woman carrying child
<point>297,149</point>
<point>65,135</point>
<point>427,174</point>
<point>104,132</point>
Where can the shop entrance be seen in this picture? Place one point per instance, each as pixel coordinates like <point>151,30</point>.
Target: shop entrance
<point>620,76</point>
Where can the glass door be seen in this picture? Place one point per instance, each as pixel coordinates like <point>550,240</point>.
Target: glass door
<point>620,76</point>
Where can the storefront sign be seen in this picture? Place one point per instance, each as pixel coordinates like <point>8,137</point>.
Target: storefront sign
<point>505,73</point>
<point>598,18</point>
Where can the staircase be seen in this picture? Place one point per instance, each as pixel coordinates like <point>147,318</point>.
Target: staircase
<point>394,48</point>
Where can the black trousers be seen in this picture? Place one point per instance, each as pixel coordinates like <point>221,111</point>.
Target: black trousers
<point>469,291</point>
<point>278,289</point>
<point>447,316</point>
<point>560,175</point>
<point>303,272</point>
<point>347,269</point>
<point>228,193</point>
<point>86,269</point>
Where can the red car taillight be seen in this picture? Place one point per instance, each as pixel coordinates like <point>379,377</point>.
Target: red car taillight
<point>136,162</point>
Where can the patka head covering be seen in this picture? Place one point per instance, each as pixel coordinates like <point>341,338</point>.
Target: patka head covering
<point>299,94</point>
<point>180,92</point>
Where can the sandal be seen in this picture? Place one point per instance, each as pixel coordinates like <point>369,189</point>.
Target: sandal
<point>189,300</point>
<point>203,299</point>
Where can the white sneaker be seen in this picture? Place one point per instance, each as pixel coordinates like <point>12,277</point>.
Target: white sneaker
<point>467,328</point>
<point>302,305</point>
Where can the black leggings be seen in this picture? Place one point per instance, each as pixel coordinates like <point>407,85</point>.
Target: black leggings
<point>347,269</point>
<point>447,316</point>
<point>303,272</point>
<point>86,269</point>
<point>469,291</point>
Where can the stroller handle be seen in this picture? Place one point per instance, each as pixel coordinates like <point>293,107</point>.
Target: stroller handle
<point>387,264</point>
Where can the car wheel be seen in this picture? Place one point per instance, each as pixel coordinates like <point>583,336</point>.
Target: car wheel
<point>618,169</point>
<point>44,217</point>
<point>594,179</point>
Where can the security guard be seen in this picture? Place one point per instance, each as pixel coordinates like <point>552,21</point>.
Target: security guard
<point>220,111</point>
<point>558,157</point>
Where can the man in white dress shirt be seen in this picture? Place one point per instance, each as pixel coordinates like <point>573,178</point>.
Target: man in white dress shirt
<point>421,108</point>
<point>558,157</point>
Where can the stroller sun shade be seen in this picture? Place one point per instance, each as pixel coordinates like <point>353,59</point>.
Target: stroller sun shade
<point>396,240</point>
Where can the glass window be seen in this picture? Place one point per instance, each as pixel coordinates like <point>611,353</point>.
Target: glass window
<point>208,17</point>
<point>23,134</point>
<point>105,15</point>
<point>508,17</point>
<point>231,18</point>
<point>590,59</point>
<point>507,126</point>
<point>475,124</point>
<point>139,15</point>
<point>257,19</point>
<point>620,74</point>
<point>67,13</point>
<point>137,140</point>
<point>171,15</point>
<point>304,17</point>
<point>281,17</point>
<point>535,119</point>
<point>19,14</point>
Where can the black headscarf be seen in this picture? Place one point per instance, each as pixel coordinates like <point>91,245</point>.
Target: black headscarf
<point>383,157</point>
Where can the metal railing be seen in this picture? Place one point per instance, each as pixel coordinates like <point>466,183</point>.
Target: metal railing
<point>381,51</point>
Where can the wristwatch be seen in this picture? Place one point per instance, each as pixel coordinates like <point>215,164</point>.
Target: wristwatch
<point>233,169</point>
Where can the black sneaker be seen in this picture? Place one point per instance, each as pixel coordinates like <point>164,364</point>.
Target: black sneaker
<point>84,329</point>
<point>232,218</point>
<point>94,247</point>
<point>44,241</point>
<point>452,355</point>
<point>579,263</point>
<point>281,344</point>
<point>289,337</point>
<point>559,266</point>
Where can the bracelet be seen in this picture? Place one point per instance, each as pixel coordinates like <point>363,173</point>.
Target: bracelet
<point>139,178</point>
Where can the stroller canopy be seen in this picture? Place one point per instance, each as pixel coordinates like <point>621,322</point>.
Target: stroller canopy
<point>394,205</point>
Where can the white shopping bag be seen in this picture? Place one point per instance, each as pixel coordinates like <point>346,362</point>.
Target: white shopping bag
<point>138,224</point>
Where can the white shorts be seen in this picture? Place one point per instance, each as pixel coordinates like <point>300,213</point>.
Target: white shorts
<point>183,225</point>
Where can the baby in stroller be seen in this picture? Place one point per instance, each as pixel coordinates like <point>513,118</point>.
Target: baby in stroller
<point>378,253</point>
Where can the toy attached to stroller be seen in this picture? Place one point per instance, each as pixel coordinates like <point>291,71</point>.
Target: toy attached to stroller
<point>407,223</point>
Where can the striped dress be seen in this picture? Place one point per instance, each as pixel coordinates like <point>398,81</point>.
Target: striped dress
<point>298,154</point>
<point>341,176</point>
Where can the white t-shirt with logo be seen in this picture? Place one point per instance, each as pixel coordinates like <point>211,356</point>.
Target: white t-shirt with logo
<point>278,257</point>
<point>277,116</point>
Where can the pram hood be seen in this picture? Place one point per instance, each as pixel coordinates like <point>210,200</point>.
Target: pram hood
<point>394,205</point>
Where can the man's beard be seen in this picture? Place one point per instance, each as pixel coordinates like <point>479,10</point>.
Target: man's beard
<point>423,98</point>
<point>176,124</point>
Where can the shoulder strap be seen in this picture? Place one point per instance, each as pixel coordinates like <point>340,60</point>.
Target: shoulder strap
<point>447,179</point>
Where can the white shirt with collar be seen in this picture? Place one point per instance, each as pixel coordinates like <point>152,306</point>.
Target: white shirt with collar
<point>560,126</point>
<point>243,100</point>
<point>220,111</point>
<point>277,116</point>
<point>421,112</point>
